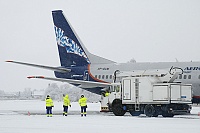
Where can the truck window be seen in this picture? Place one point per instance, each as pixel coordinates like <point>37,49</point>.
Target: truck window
<point>117,88</point>
<point>112,89</point>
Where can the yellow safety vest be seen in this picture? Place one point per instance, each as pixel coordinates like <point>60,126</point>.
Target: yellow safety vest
<point>49,102</point>
<point>66,101</point>
<point>82,101</point>
<point>107,94</point>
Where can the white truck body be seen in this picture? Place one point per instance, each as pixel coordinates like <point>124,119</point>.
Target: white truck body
<point>141,90</point>
<point>146,95</point>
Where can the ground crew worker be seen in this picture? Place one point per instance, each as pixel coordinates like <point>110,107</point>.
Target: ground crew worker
<point>83,103</point>
<point>49,105</point>
<point>66,103</point>
<point>107,93</point>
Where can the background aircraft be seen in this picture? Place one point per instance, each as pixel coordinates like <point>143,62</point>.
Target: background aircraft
<point>91,72</point>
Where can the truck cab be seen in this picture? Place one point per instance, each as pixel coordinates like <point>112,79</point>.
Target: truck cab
<point>114,93</point>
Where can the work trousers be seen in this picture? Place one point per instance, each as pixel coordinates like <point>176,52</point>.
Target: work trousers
<point>65,110</point>
<point>49,111</point>
<point>83,110</point>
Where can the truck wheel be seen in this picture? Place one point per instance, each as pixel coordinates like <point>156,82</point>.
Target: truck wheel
<point>135,113</point>
<point>166,114</point>
<point>118,109</point>
<point>149,110</point>
<point>155,114</point>
<point>166,111</point>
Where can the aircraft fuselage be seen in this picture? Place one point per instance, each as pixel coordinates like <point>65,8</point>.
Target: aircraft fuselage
<point>104,72</point>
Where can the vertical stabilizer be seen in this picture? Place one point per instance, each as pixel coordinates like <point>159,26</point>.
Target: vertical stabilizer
<point>71,50</point>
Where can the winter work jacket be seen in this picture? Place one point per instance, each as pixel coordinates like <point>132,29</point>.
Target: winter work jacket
<point>49,102</point>
<point>107,94</point>
<point>82,101</point>
<point>66,101</point>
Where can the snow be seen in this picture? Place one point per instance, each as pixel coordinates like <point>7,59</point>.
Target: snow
<point>14,118</point>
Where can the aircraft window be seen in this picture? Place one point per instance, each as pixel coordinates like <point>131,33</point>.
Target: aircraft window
<point>110,76</point>
<point>102,76</point>
<point>189,76</point>
<point>99,76</point>
<point>180,76</point>
<point>185,76</point>
<point>199,76</point>
<point>95,76</point>
<point>106,76</point>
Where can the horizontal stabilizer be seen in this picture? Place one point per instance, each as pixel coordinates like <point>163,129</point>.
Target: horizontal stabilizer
<point>58,69</point>
<point>80,83</point>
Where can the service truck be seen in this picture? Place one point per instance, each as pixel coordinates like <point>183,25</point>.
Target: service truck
<point>151,95</point>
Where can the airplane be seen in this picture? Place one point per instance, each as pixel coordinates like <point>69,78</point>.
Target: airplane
<point>91,72</point>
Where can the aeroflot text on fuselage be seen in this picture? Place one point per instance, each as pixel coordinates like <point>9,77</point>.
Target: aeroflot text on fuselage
<point>191,68</point>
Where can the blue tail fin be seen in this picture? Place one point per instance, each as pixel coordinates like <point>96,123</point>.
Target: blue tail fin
<point>70,50</point>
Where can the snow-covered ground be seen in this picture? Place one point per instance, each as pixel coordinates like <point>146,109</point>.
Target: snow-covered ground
<point>14,118</point>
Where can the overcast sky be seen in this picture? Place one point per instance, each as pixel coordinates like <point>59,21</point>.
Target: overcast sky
<point>146,30</point>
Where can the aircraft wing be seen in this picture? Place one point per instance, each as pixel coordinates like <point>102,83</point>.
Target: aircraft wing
<point>80,83</point>
<point>58,69</point>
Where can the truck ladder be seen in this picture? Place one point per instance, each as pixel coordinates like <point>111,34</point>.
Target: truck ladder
<point>137,104</point>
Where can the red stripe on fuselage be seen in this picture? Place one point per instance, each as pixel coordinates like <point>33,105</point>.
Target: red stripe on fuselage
<point>196,97</point>
<point>98,80</point>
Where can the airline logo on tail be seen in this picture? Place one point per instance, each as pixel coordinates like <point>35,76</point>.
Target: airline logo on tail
<point>70,45</point>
